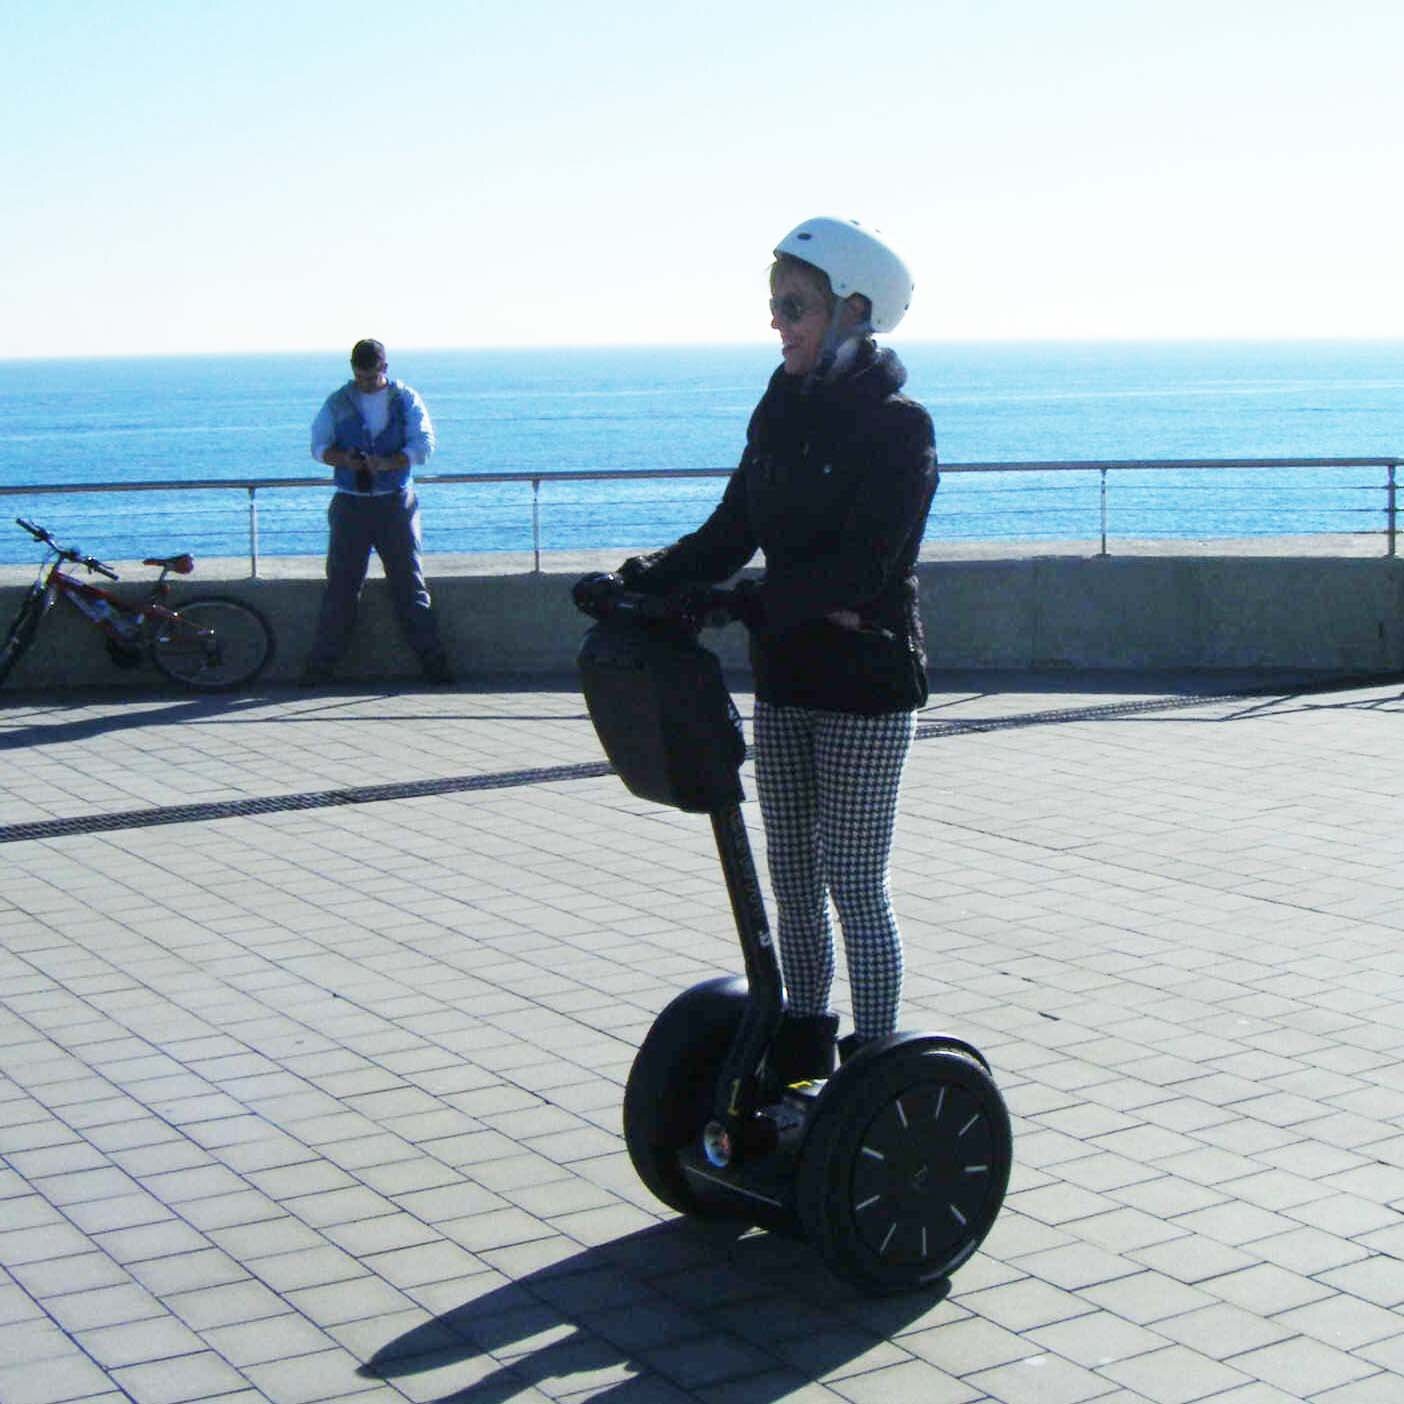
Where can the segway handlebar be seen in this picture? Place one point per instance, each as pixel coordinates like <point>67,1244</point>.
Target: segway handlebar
<point>694,607</point>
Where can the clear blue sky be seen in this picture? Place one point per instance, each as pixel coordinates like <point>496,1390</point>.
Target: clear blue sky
<point>195,175</point>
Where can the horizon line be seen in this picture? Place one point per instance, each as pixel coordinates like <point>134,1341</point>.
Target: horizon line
<point>559,347</point>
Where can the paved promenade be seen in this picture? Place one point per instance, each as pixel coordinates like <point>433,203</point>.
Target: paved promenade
<point>315,1011</point>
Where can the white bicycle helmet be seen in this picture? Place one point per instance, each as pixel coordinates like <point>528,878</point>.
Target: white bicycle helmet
<point>857,260</point>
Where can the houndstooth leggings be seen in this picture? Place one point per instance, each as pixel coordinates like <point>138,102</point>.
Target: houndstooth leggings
<point>828,784</point>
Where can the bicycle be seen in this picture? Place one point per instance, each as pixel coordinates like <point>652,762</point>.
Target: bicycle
<point>210,643</point>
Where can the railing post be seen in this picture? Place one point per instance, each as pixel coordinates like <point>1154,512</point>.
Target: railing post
<point>1103,472</point>
<point>536,525</point>
<point>1391,513</point>
<point>253,532</point>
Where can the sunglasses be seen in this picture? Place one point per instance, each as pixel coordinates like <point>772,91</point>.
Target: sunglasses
<point>791,308</point>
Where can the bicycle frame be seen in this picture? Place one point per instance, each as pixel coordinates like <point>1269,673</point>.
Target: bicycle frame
<point>119,619</point>
<point>126,624</point>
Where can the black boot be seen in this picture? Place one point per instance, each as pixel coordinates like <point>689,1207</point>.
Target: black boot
<point>803,1048</point>
<point>851,1044</point>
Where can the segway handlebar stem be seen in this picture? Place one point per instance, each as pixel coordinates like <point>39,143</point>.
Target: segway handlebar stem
<point>660,707</point>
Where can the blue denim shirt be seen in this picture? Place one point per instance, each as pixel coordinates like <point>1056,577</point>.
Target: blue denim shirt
<point>339,424</point>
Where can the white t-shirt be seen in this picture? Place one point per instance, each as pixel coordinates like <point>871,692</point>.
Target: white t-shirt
<point>374,408</point>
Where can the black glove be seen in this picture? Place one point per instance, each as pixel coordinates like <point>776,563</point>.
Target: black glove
<point>747,603</point>
<point>701,607</point>
<point>632,571</point>
<point>592,593</point>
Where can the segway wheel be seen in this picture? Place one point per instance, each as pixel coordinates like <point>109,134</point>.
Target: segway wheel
<point>905,1165</point>
<point>668,1098</point>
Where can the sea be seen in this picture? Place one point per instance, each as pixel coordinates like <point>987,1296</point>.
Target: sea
<point>235,419</point>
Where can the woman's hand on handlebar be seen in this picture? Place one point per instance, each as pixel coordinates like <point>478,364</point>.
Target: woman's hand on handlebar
<point>694,607</point>
<point>594,593</point>
<point>703,606</point>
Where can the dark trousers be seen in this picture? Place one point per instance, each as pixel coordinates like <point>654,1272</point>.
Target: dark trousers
<point>389,525</point>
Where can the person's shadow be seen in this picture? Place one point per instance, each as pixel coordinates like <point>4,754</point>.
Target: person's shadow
<point>679,1307</point>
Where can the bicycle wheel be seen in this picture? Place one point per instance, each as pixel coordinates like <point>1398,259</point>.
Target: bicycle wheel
<point>213,643</point>
<point>22,630</point>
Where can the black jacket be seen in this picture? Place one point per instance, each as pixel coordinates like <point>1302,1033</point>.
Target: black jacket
<point>834,486</point>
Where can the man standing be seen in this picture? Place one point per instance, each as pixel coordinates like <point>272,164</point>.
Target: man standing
<point>373,432</point>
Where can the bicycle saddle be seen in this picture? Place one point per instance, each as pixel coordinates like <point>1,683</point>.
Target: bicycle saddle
<point>182,564</point>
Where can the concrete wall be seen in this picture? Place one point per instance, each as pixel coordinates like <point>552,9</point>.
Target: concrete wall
<point>1196,612</point>
<point>1054,612</point>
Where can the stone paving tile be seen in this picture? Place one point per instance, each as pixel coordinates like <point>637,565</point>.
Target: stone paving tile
<point>1345,1322</point>
<point>1192,1258</point>
<point>1266,1289</point>
<point>103,1306</point>
<point>1024,1304</point>
<point>73,1273</point>
<point>158,1339</point>
<point>1040,1379</point>
<point>1076,1265</point>
<point>1377,1389</point>
<point>1304,1365</point>
<point>1388,1354</point>
<point>271,1338</point>
<point>37,1341</point>
<point>53,1382</point>
<point>1255,1393</point>
<point>207,1307</point>
<point>188,1271</point>
<point>1100,1339</point>
<point>1176,1375</point>
<point>1376,1279</point>
<point>916,1379</point>
<point>966,1346</point>
<point>1221,1331</point>
<point>302,1379</point>
<point>182,1380</point>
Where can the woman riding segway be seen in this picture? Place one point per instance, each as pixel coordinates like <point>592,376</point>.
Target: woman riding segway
<point>895,1164</point>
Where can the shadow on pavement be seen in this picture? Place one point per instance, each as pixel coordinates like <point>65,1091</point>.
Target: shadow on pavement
<point>49,729</point>
<point>681,1304</point>
<point>53,727</point>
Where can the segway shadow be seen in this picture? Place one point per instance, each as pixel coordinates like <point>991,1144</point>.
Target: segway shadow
<point>896,1166</point>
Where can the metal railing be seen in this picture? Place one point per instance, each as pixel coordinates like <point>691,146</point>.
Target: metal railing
<point>1140,465</point>
<point>1103,468</point>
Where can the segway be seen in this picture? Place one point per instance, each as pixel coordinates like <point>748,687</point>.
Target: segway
<point>894,1167</point>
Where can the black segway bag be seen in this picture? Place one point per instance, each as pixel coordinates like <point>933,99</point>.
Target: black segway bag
<point>663,714</point>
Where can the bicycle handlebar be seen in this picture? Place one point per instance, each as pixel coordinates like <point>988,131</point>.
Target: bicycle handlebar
<point>67,553</point>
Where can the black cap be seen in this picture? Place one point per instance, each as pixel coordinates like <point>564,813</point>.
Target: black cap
<point>368,355</point>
